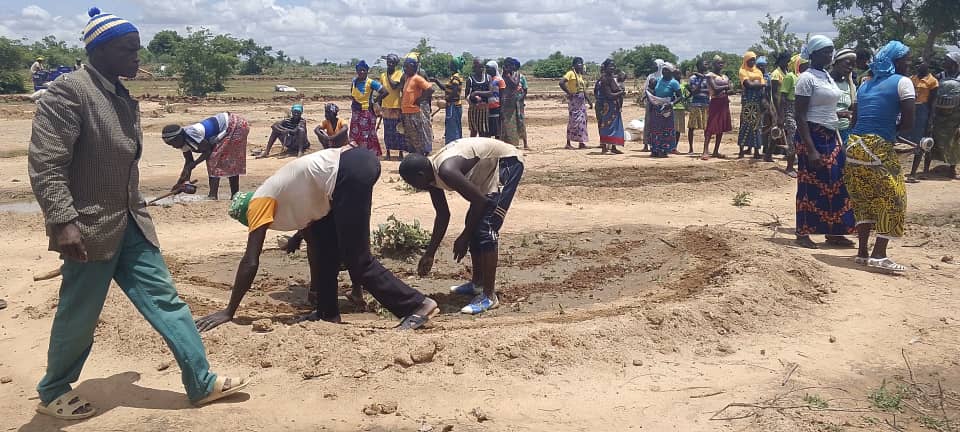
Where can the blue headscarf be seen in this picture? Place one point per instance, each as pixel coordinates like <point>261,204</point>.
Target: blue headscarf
<point>815,44</point>
<point>362,65</point>
<point>762,60</point>
<point>104,27</point>
<point>882,65</point>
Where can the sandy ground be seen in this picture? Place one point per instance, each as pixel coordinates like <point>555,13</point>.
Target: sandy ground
<point>635,296</point>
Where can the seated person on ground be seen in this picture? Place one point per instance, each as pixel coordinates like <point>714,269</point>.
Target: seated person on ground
<point>292,133</point>
<point>332,132</point>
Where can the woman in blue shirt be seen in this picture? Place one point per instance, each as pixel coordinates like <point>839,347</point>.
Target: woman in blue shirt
<point>873,175</point>
<point>662,130</point>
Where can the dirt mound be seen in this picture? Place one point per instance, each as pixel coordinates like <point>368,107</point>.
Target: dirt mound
<point>659,290</point>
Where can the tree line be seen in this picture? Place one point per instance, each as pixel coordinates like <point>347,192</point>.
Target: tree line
<point>203,61</point>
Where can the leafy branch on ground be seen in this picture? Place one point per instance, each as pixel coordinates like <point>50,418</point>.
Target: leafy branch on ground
<point>741,199</point>
<point>396,239</point>
<point>401,185</point>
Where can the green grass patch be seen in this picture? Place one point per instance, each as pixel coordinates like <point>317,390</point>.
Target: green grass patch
<point>934,423</point>
<point>886,398</point>
<point>815,401</point>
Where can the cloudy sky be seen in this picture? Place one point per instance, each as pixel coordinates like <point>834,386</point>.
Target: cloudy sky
<point>339,30</point>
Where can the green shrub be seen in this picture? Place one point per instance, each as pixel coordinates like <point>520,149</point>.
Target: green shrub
<point>400,240</point>
<point>13,60</point>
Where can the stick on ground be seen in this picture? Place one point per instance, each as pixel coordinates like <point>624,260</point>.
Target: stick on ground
<point>48,275</point>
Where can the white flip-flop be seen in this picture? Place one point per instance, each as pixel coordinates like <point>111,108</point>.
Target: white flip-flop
<point>886,264</point>
<point>236,384</point>
<point>65,407</point>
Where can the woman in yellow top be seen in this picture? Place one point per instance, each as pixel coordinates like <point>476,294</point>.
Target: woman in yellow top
<point>390,105</point>
<point>575,87</point>
<point>363,119</point>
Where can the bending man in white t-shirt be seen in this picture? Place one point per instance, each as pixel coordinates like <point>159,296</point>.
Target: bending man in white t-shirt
<point>327,197</point>
<point>486,172</point>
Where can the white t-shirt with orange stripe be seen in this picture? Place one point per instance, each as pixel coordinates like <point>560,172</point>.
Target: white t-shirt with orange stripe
<point>297,194</point>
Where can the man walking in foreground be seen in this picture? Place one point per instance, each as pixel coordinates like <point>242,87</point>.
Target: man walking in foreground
<point>83,165</point>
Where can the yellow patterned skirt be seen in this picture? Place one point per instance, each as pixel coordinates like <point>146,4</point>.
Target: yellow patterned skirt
<point>875,182</point>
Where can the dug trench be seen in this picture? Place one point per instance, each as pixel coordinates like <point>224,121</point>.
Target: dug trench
<point>698,288</point>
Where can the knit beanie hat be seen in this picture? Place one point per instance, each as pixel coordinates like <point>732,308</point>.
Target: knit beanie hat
<point>104,27</point>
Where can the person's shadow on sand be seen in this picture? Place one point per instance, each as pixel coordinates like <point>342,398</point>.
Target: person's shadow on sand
<point>119,390</point>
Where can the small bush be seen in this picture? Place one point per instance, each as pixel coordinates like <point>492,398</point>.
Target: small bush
<point>815,401</point>
<point>400,240</point>
<point>741,199</point>
<point>885,398</point>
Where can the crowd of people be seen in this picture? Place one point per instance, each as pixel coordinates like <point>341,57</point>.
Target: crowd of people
<point>836,113</point>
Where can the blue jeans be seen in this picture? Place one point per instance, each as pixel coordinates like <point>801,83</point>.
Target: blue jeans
<point>139,270</point>
<point>453,127</point>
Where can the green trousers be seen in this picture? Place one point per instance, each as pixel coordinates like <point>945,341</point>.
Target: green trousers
<point>139,270</point>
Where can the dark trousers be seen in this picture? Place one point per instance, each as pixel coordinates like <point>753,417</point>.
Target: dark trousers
<point>343,236</point>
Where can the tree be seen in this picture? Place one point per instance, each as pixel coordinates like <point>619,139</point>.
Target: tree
<point>164,43</point>
<point>56,52</point>
<point>423,47</point>
<point>433,63</point>
<point>205,61</point>
<point>640,60</point>
<point>774,37</point>
<point>554,66</point>
<point>921,24</point>
<point>941,19</point>
<point>257,57</point>
<point>13,59</point>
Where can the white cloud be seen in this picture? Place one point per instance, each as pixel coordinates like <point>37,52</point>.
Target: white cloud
<point>342,29</point>
<point>35,12</point>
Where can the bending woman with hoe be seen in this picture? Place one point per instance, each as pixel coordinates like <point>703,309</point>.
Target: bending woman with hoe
<point>221,141</point>
<point>486,172</point>
<point>326,197</point>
